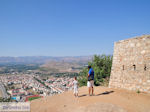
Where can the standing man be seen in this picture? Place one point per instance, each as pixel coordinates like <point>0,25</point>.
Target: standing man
<point>90,82</point>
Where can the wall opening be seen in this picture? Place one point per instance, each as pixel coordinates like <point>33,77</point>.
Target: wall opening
<point>123,67</point>
<point>145,67</point>
<point>134,67</point>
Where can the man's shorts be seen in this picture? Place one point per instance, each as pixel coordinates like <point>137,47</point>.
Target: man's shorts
<point>75,90</point>
<point>90,83</point>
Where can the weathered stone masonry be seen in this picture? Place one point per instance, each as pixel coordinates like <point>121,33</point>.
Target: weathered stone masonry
<point>131,64</point>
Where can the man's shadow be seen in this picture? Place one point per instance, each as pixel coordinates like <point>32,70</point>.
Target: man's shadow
<point>105,93</point>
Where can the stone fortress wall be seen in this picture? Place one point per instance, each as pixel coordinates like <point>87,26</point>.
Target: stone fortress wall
<point>131,64</point>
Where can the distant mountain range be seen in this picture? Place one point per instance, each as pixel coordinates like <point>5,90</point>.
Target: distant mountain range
<point>44,59</point>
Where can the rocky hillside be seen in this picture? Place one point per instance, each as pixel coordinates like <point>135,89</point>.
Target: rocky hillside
<point>105,100</point>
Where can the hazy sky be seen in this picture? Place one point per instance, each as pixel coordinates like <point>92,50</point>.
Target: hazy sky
<point>69,27</point>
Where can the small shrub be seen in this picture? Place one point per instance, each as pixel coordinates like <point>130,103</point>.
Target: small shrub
<point>138,91</point>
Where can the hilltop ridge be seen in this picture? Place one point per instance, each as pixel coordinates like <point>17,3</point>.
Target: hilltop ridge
<point>105,100</point>
<point>43,59</point>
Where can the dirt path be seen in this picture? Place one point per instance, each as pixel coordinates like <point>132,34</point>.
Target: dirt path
<point>105,100</point>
